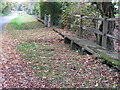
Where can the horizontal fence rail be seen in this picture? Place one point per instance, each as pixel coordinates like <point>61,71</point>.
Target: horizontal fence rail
<point>104,34</point>
<point>88,17</point>
<point>113,37</point>
<point>46,21</point>
<point>97,31</point>
<point>113,19</point>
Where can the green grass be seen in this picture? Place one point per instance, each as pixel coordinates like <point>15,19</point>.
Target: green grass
<point>21,19</point>
<point>35,51</point>
<point>2,15</point>
<point>117,15</point>
<point>21,22</point>
<point>38,56</point>
<point>28,49</point>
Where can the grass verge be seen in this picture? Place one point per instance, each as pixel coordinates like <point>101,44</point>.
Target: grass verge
<point>2,15</point>
<point>23,22</point>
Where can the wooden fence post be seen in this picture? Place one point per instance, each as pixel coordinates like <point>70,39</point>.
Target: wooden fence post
<point>105,30</point>
<point>80,31</point>
<point>49,20</point>
<point>45,20</point>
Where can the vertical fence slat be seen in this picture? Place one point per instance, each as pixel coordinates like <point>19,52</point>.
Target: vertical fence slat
<point>49,20</point>
<point>45,20</point>
<point>105,30</point>
<point>80,31</point>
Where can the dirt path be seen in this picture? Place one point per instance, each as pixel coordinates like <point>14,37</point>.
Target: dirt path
<point>6,19</point>
<point>52,61</point>
<point>14,71</point>
<point>1,75</point>
<point>76,70</point>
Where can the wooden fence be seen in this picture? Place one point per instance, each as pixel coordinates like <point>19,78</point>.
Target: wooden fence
<point>104,33</point>
<point>47,20</point>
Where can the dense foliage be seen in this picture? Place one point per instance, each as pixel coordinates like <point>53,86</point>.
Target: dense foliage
<point>6,7</point>
<point>35,9</point>
<point>69,9</point>
<point>53,8</point>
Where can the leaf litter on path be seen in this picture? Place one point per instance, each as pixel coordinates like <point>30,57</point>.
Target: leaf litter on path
<point>43,60</point>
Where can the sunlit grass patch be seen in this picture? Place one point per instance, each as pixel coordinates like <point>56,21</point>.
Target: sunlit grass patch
<point>117,15</point>
<point>2,15</point>
<point>22,19</point>
<point>34,50</point>
<point>24,22</point>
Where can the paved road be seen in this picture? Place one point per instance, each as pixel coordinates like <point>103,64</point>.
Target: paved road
<point>6,19</point>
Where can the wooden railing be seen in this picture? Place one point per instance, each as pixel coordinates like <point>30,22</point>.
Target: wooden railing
<point>104,33</point>
<point>47,20</point>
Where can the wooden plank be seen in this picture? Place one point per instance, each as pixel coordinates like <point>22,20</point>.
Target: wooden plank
<point>73,24</point>
<point>97,31</point>
<point>113,37</point>
<point>81,42</point>
<point>77,16</point>
<point>91,51</point>
<point>105,30</point>
<point>94,49</point>
<point>113,55</point>
<point>49,21</point>
<point>95,18</point>
<point>40,19</point>
<point>59,33</point>
<point>85,42</point>
<point>45,20</point>
<point>89,17</point>
<point>72,38</point>
<point>80,31</point>
<point>113,19</point>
